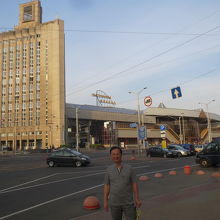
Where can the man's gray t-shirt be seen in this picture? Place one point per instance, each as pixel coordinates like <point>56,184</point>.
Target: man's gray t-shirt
<point>121,192</point>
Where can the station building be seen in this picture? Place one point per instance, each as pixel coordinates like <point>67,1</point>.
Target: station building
<point>109,126</point>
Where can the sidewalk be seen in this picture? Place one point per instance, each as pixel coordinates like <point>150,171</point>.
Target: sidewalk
<point>180,197</point>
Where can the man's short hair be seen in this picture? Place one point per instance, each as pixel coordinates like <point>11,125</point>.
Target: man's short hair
<point>115,147</point>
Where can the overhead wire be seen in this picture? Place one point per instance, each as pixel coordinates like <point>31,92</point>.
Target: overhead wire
<point>157,43</point>
<point>180,83</point>
<point>145,61</point>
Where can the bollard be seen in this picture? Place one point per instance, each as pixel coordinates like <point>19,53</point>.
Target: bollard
<point>187,170</point>
<point>200,172</point>
<point>133,158</point>
<point>158,175</point>
<point>143,178</point>
<point>91,202</point>
<point>172,172</point>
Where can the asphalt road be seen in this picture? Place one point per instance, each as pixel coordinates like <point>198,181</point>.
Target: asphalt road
<point>30,190</point>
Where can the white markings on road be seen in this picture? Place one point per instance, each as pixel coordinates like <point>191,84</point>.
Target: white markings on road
<point>72,194</point>
<point>32,181</point>
<point>140,167</point>
<point>49,201</point>
<point>12,189</point>
<point>56,181</point>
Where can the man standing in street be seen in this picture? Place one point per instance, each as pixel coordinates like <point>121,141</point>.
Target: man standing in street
<point>120,188</point>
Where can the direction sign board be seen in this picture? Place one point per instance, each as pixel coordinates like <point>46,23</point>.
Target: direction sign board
<point>141,133</point>
<point>148,101</point>
<point>176,92</point>
<point>162,127</point>
<point>133,125</point>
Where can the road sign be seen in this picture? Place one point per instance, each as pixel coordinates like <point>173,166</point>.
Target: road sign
<point>162,127</point>
<point>176,92</point>
<point>141,133</point>
<point>163,134</point>
<point>133,125</point>
<point>148,101</point>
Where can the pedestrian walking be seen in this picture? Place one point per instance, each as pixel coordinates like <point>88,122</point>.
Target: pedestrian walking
<point>120,188</point>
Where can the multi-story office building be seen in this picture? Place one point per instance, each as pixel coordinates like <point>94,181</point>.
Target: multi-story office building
<point>32,82</point>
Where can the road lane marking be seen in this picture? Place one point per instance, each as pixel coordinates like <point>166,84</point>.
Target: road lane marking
<point>165,170</point>
<point>56,181</point>
<point>45,177</point>
<point>11,189</point>
<point>140,167</point>
<point>49,201</point>
<point>81,191</point>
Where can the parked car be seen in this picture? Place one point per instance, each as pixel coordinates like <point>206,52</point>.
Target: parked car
<point>178,151</point>
<point>198,148</point>
<point>210,155</point>
<point>67,156</point>
<point>159,152</point>
<point>190,148</point>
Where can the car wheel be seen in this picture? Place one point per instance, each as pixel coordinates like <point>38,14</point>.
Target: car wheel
<point>148,155</point>
<point>204,163</point>
<point>165,155</point>
<point>78,163</point>
<point>51,163</point>
<point>179,155</point>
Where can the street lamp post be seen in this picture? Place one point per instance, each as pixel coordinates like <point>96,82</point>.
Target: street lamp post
<point>138,114</point>
<point>181,135</point>
<point>208,118</point>
<point>77,130</point>
<point>184,134</point>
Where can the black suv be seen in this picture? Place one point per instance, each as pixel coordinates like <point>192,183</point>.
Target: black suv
<point>210,155</point>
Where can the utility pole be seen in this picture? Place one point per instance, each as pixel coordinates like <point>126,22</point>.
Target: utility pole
<point>208,119</point>
<point>138,114</point>
<point>184,135</point>
<point>77,130</point>
<point>181,135</point>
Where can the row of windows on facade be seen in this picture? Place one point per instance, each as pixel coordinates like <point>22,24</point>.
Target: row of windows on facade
<point>20,43</point>
<point>23,123</point>
<point>23,115</point>
<point>23,96</point>
<point>31,84</point>
<point>24,50</point>
<point>18,80</point>
<point>24,105</point>
<point>22,133</point>
<point>24,58</point>
<point>12,41</point>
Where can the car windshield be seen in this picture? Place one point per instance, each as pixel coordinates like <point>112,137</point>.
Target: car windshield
<point>180,148</point>
<point>76,152</point>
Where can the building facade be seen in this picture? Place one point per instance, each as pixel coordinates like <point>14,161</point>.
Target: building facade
<point>32,82</point>
<point>116,126</point>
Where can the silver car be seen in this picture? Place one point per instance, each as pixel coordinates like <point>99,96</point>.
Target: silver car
<point>178,150</point>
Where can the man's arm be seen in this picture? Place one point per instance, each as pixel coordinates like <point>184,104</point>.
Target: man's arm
<point>106,194</point>
<point>136,195</point>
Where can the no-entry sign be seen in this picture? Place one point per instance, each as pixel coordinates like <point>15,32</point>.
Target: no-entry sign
<point>148,101</point>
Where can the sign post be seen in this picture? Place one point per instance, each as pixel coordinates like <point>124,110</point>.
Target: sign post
<point>163,135</point>
<point>148,101</point>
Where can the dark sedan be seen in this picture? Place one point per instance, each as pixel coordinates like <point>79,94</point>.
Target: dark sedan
<point>159,152</point>
<point>210,155</point>
<point>67,157</point>
<point>190,148</point>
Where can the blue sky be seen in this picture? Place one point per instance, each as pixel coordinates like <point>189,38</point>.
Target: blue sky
<point>124,45</point>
